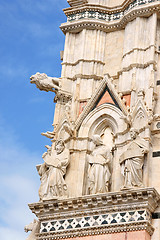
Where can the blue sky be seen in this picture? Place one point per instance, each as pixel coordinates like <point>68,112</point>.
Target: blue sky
<point>30,41</point>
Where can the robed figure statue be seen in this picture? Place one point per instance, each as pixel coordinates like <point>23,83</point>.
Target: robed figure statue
<point>52,172</point>
<point>132,161</point>
<point>98,173</point>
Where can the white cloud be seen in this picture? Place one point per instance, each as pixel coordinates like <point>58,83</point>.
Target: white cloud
<point>10,234</point>
<point>19,184</point>
<point>16,192</point>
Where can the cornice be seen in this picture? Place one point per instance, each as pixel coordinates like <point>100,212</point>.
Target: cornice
<point>91,202</point>
<point>108,9</point>
<point>95,18</point>
<point>75,3</point>
<point>128,210</point>
<point>126,7</point>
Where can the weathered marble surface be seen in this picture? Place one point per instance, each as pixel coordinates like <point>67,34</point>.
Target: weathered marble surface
<point>109,84</point>
<point>52,172</point>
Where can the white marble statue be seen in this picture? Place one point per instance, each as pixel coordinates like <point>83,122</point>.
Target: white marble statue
<point>99,173</point>
<point>34,228</point>
<point>45,83</point>
<point>52,172</point>
<point>132,161</point>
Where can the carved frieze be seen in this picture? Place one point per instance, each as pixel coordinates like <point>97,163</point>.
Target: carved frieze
<point>107,19</point>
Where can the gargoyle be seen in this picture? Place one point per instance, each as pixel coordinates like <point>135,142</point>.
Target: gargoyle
<point>45,83</point>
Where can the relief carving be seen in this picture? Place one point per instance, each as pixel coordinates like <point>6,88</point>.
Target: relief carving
<point>132,161</point>
<point>52,172</point>
<point>99,173</point>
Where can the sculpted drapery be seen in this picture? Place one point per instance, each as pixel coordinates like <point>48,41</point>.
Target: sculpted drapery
<point>99,173</point>
<point>132,161</point>
<point>52,172</point>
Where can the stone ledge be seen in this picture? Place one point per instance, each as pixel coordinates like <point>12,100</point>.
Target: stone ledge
<point>131,199</point>
<point>111,13</point>
<point>114,212</point>
<point>115,23</point>
<point>100,7</point>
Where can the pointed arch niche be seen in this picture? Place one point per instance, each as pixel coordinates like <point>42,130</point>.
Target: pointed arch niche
<point>103,117</point>
<point>106,120</point>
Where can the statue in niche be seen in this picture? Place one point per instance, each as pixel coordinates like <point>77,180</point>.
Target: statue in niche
<point>132,161</point>
<point>52,172</point>
<point>99,173</point>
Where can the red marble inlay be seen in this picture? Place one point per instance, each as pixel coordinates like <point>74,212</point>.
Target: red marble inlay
<point>82,106</point>
<point>127,97</point>
<point>106,99</point>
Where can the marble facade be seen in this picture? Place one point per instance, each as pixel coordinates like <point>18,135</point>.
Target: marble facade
<point>109,90</point>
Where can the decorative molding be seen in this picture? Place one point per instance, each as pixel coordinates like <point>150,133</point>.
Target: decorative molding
<point>75,3</point>
<point>63,97</point>
<point>127,210</point>
<point>82,60</point>
<point>138,65</point>
<point>110,202</point>
<point>97,231</point>
<point>89,76</point>
<point>104,13</point>
<point>91,103</point>
<point>139,49</point>
<point>92,17</point>
<point>88,222</point>
<point>102,8</point>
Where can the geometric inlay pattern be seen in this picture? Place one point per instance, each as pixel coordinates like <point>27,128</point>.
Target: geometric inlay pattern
<point>95,221</point>
<point>106,16</point>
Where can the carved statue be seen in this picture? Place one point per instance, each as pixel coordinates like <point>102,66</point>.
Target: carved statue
<point>45,83</point>
<point>132,161</point>
<point>52,172</point>
<point>34,228</point>
<point>99,173</point>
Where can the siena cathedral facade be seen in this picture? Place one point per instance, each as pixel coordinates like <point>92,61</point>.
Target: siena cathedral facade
<point>100,176</point>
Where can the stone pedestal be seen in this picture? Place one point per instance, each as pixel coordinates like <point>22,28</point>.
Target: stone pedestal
<point>124,215</point>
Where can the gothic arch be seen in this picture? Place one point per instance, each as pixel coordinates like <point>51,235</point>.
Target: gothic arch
<point>106,115</point>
